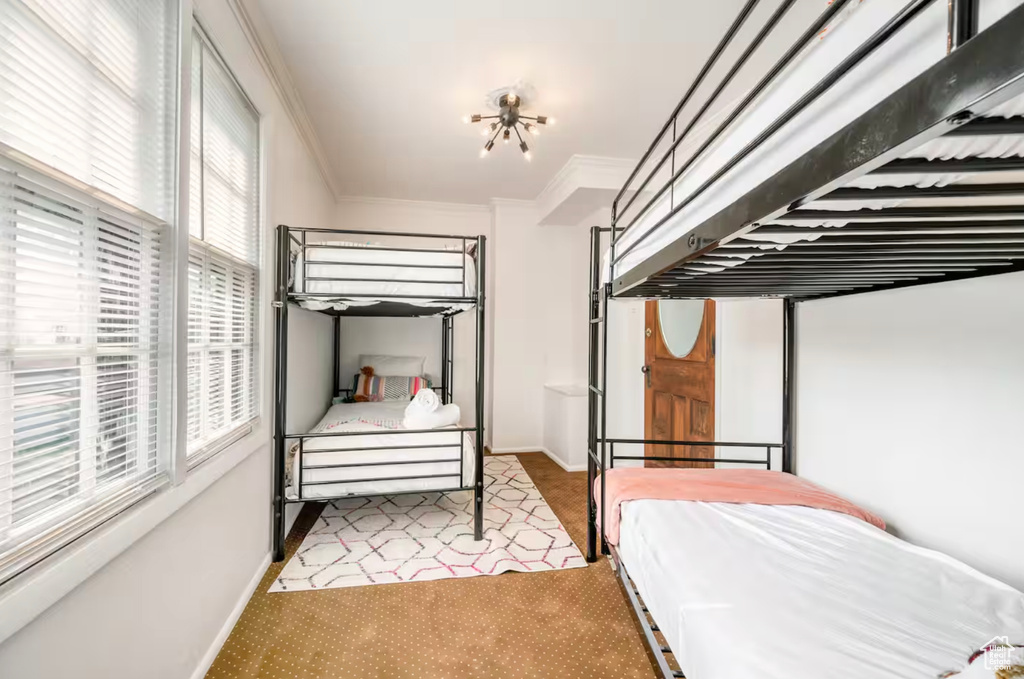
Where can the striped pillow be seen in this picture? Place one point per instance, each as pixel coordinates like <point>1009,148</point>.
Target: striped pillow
<point>376,388</point>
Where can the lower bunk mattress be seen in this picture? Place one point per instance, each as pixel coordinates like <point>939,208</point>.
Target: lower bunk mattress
<point>780,592</point>
<point>376,455</point>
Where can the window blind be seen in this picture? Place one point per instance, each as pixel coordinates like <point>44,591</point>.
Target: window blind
<point>87,87</point>
<point>83,352</point>
<point>224,250</point>
<point>87,120</point>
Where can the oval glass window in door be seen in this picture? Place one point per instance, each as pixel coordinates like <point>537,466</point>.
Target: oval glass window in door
<point>680,321</point>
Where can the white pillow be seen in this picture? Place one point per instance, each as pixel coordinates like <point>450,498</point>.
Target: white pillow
<point>393,366</point>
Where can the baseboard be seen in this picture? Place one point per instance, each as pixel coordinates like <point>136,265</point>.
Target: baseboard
<point>568,468</point>
<point>524,449</point>
<point>229,624</point>
<point>539,449</point>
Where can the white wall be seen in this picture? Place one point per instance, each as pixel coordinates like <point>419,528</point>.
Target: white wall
<point>541,319</point>
<point>310,359</point>
<point>156,610</point>
<point>910,403</point>
<point>748,380</point>
<point>393,336</point>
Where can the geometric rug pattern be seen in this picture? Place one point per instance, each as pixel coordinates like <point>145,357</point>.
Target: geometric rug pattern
<point>429,536</point>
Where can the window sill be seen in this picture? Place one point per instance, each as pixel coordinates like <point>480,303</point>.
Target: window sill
<point>32,592</point>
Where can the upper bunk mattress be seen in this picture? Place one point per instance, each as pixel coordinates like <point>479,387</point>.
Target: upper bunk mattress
<point>777,592</point>
<point>907,54</point>
<point>381,454</point>
<point>366,275</point>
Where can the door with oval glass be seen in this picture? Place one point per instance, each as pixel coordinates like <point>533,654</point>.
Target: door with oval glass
<point>679,374</point>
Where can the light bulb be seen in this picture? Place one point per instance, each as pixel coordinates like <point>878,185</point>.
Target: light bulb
<point>505,136</point>
<point>528,155</point>
<point>533,129</point>
<point>465,119</point>
<point>551,121</point>
<point>483,152</point>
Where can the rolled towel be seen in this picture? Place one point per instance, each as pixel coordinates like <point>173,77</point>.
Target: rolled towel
<point>445,416</point>
<point>425,401</point>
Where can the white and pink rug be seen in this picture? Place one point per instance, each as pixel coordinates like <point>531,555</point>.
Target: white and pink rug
<point>429,536</point>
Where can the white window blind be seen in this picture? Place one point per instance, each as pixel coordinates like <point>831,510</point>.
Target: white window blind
<point>83,363</point>
<point>87,87</point>
<point>223,281</point>
<point>87,112</point>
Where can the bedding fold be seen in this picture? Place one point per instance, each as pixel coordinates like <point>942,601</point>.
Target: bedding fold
<point>733,486</point>
<point>418,418</point>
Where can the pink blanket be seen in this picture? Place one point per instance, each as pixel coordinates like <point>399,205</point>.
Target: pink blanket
<point>738,486</point>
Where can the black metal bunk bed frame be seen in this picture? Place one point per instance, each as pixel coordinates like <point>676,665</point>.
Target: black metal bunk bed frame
<point>876,249</point>
<point>385,305</point>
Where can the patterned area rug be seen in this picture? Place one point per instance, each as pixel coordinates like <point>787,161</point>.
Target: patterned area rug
<point>429,536</point>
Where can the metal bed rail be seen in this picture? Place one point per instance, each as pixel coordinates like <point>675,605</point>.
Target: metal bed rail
<point>429,274</point>
<point>299,442</point>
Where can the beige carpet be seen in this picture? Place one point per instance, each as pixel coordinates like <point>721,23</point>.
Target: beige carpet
<point>569,623</point>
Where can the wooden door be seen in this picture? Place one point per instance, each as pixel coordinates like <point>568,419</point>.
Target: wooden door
<point>679,391</point>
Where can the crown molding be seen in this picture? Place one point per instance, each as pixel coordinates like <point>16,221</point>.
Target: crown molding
<point>433,206</point>
<point>584,184</point>
<point>264,46</point>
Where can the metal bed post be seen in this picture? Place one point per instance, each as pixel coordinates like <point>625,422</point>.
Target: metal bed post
<point>280,385</point>
<point>606,292</point>
<point>788,383</point>
<point>445,320</point>
<point>963,23</point>
<point>594,317</point>
<point>478,484</point>
<point>337,355</point>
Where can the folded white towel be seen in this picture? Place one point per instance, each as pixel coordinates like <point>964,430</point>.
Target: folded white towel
<point>445,416</point>
<point>425,401</point>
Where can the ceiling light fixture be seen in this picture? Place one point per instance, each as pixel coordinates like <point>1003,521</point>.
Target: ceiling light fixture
<point>509,119</point>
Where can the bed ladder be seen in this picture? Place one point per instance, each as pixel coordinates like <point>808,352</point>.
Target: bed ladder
<point>596,383</point>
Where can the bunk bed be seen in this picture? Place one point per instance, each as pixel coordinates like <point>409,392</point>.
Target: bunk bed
<point>361,449</point>
<point>882,149</point>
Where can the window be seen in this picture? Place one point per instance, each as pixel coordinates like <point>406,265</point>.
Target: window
<point>87,112</point>
<point>223,266</point>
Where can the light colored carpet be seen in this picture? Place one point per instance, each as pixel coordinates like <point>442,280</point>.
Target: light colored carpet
<point>429,536</point>
<point>564,624</point>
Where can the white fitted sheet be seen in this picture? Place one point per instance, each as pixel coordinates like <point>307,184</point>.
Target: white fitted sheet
<point>380,420</point>
<point>767,592</point>
<point>911,51</point>
<point>398,280</point>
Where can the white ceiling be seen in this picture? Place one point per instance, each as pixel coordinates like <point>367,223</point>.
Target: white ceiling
<point>386,83</point>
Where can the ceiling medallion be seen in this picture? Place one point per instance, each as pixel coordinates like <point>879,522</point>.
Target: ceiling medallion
<point>508,120</point>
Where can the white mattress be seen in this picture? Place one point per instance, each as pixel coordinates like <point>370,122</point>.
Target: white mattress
<point>381,421</point>
<point>904,56</point>
<point>771,592</point>
<point>403,278</point>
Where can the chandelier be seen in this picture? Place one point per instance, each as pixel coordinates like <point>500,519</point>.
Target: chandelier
<point>507,121</point>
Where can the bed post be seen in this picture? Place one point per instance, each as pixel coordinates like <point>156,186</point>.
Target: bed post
<point>280,304</point>
<point>592,313</point>
<point>788,382</point>
<point>337,357</point>
<point>445,320</point>
<point>478,484</point>
<point>962,23</point>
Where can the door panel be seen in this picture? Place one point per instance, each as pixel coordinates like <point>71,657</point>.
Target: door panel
<point>679,404</point>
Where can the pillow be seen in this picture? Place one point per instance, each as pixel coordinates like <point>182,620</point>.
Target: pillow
<point>388,366</point>
<point>392,388</point>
